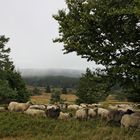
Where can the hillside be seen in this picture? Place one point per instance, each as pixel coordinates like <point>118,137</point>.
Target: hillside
<point>50,72</point>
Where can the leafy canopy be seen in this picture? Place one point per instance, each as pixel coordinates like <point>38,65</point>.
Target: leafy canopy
<point>107,32</point>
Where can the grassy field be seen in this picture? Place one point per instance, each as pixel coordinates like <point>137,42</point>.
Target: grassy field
<point>17,126</point>
<point>45,98</point>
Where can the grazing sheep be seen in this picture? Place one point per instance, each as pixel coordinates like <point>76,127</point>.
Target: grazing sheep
<point>96,105</point>
<point>130,121</point>
<point>19,107</point>
<point>73,107</point>
<point>35,112</point>
<point>40,107</point>
<point>64,116</point>
<point>82,114</point>
<point>92,113</point>
<point>136,114</point>
<point>103,113</point>
<point>83,105</point>
<point>63,106</point>
<point>116,115</point>
<point>125,107</point>
<point>113,107</point>
<point>53,112</point>
<point>52,106</point>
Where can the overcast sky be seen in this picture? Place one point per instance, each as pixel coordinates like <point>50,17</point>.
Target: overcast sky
<point>31,28</point>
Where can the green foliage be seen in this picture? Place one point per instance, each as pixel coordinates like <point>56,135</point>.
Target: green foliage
<point>48,89</point>
<point>5,63</point>
<point>106,32</point>
<point>91,88</point>
<point>55,97</point>
<point>11,80</point>
<point>6,93</point>
<point>16,82</point>
<point>55,81</point>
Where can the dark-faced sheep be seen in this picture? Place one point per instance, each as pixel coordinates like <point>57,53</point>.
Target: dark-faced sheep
<point>116,115</point>
<point>53,112</point>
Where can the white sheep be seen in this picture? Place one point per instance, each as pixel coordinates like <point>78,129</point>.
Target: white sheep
<point>41,107</point>
<point>83,105</point>
<point>64,116</point>
<point>82,114</point>
<point>35,112</point>
<point>52,106</point>
<point>19,107</point>
<point>113,107</point>
<point>73,107</point>
<point>130,121</point>
<point>96,105</point>
<point>91,113</point>
<point>103,113</point>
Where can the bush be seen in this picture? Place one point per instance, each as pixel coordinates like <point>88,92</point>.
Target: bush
<point>91,88</point>
<point>55,97</point>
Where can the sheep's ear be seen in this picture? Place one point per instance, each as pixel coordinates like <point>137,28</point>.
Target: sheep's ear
<point>30,103</point>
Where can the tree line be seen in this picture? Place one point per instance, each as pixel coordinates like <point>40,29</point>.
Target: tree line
<point>53,81</point>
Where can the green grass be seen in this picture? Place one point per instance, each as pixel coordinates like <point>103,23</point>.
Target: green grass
<point>20,126</point>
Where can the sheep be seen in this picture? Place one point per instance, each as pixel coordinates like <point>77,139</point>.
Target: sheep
<point>82,114</point>
<point>116,115</point>
<point>103,113</point>
<point>19,107</point>
<point>113,107</point>
<point>64,116</point>
<point>73,107</point>
<point>83,105</point>
<point>96,105</point>
<point>125,107</point>
<point>92,113</point>
<point>136,114</point>
<point>35,112</point>
<point>40,107</point>
<point>52,106</point>
<point>63,106</point>
<point>130,121</point>
<point>53,112</point>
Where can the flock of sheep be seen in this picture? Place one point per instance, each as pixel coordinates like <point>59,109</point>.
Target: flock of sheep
<point>124,114</point>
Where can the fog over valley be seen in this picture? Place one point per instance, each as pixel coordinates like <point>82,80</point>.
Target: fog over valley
<point>51,72</point>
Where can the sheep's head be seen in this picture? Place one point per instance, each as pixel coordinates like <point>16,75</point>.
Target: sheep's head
<point>29,103</point>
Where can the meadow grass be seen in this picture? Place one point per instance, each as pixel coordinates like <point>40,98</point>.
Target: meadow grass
<point>22,127</point>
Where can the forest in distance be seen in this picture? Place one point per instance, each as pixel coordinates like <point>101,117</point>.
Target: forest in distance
<point>54,81</point>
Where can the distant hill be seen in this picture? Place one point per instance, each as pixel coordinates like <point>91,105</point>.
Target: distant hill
<point>50,72</point>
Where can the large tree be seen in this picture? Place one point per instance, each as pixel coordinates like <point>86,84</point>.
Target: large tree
<point>12,86</point>
<point>107,32</point>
